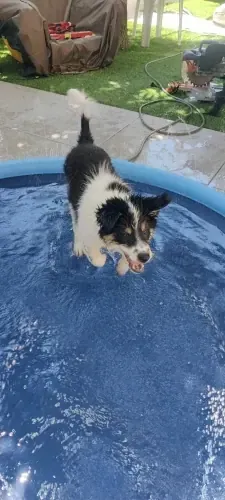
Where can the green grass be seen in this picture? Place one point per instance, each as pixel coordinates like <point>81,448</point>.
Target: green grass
<point>199,8</point>
<point>124,84</point>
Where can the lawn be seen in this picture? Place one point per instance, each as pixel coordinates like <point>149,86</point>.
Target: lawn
<point>124,84</point>
<point>198,8</point>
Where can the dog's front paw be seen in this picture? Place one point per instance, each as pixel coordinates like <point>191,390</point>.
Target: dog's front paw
<point>122,266</point>
<point>78,250</point>
<point>97,259</point>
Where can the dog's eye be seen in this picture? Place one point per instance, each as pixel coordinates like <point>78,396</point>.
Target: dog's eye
<point>143,227</point>
<point>145,230</point>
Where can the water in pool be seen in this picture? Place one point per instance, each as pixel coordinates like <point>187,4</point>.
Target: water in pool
<point>111,388</point>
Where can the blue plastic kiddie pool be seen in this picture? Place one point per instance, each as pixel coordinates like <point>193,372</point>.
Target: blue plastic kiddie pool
<point>111,388</point>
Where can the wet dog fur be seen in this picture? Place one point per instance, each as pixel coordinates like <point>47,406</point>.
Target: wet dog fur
<point>105,213</point>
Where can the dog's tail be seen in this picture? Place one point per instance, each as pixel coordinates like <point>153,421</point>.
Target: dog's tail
<point>78,100</point>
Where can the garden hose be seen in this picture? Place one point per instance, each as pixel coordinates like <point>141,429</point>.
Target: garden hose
<point>164,129</point>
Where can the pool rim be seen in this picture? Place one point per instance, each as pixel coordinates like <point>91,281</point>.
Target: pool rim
<point>134,172</point>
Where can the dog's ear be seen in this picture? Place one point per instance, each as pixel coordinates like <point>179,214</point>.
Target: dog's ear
<point>149,206</point>
<point>153,204</point>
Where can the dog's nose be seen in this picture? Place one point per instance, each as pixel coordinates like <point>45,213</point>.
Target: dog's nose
<point>143,257</point>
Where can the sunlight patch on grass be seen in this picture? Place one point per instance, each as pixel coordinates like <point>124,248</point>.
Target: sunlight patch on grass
<point>198,8</point>
<point>151,93</point>
<point>115,85</point>
<point>4,54</point>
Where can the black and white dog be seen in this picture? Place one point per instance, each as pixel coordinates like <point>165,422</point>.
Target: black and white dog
<point>105,213</point>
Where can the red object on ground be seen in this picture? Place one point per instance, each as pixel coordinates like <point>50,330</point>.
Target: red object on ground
<point>70,35</point>
<point>173,87</point>
<point>65,30</point>
<point>60,27</point>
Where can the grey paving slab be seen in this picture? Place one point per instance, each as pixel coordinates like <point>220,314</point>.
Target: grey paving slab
<point>218,181</point>
<point>16,144</point>
<point>198,156</point>
<point>38,123</point>
<point>48,115</point>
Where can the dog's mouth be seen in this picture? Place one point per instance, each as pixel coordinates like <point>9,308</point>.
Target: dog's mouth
<point>135,265</point>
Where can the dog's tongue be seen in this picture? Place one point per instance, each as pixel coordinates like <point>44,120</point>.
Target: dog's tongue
<point>136,266</point>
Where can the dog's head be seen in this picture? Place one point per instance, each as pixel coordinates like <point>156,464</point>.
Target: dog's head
<point>127,226</point>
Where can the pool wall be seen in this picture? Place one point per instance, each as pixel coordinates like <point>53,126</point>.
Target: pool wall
<point>134,172</point>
